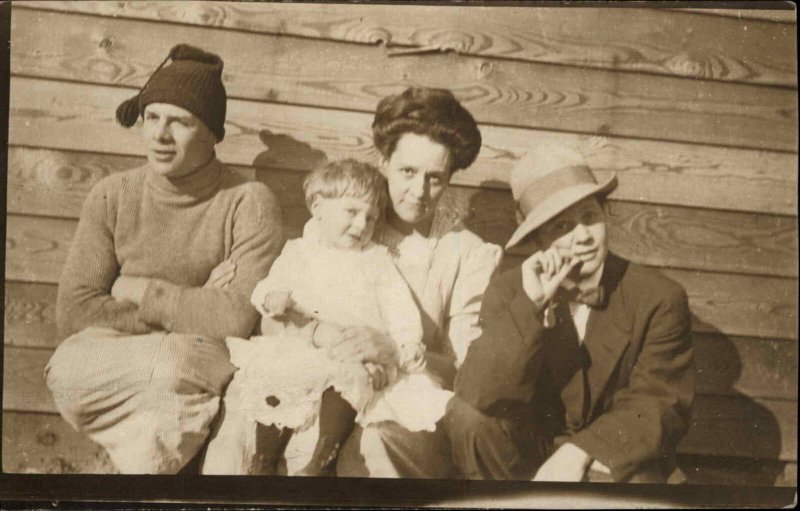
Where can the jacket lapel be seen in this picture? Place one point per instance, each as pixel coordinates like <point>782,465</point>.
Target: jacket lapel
<point>607,330</point>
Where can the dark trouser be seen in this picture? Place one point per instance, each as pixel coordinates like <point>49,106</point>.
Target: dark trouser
<point>486,447</point>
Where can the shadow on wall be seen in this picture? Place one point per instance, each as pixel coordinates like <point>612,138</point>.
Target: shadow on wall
<point>754,432</point>
<point>285,152</point>
<point>282,166</point>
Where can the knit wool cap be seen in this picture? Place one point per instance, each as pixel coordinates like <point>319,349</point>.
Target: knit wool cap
<point>192,80</point>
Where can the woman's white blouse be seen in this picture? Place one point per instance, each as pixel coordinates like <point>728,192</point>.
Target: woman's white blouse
<point>448,276</point>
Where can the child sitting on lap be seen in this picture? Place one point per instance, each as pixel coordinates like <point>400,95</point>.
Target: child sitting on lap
<point>338,277</point>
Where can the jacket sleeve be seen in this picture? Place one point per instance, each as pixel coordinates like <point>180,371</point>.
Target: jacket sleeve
<point>218,313</point>
<point>474,275</point>
<point>649,416</point>
<point>503,363</point>
<point>84,291</point>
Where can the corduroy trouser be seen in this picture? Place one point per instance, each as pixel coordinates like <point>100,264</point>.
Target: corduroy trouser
<point>149,400</point>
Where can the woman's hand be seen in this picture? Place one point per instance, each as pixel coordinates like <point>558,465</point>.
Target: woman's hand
<point>364,344</point>
<point>326,335</point>
<point>377,374</point>
<point>129,289</point>
<point>221,275</point>
<point>543,273</point>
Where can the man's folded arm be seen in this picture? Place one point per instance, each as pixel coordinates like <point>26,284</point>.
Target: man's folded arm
<point>218,313</point>
<point>84,291</point>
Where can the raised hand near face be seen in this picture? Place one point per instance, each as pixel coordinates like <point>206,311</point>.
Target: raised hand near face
<point>544,271</point>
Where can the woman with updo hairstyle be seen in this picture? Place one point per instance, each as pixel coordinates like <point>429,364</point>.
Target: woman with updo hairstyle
<point>424,136</point>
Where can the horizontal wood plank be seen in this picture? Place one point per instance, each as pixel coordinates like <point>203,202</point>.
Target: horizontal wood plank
<point>731,304</point>
<point>55,183</point>
<point>778,15</point>
<point>758,368</point>
<point>658,235</point>
<point>36,248</point>
<point>81,118</point>
<point>24,388</point>
<point>54,45</point>
<point>45,444</point>
<point>764,368</point>
<point>722,425</point>
<point>35,443</point>
<point>742,427</point>
<point>654,235</point>
<point>651,40</point>
<point>29,315</point>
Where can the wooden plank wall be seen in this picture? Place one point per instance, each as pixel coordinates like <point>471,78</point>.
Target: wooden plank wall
<point>695,110</point>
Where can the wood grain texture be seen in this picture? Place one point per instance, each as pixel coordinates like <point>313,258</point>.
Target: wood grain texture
<point>29,315</point>
<point>54,45</point>
<point>45,444</point>
<point>35,443</point>
<point>56,183</point>
<point>24,388</point>
<point>653,235</point>
<point>36,248</point>
<point>81,118</point>
<point>721,425</point>
<point>778,15</point>
<point>657,235</point>
<point>726,365</point>
<point>654,41</point>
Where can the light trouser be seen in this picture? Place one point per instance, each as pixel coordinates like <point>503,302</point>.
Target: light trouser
<point>149,400</point>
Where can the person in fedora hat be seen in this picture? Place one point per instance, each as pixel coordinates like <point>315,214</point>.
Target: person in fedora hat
<point>584,367</point>
<point>159,272</point>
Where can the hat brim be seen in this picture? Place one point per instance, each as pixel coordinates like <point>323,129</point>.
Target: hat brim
<point>557,203</point>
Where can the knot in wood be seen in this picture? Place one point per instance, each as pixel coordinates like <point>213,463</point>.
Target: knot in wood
<point>106,42</point>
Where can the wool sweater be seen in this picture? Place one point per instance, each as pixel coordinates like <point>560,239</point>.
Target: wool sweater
<point>174,231</point>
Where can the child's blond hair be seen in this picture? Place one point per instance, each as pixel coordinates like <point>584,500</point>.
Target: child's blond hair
<point>346,178</point>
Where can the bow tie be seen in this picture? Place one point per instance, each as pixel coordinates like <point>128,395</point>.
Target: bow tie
<point>591,297</point>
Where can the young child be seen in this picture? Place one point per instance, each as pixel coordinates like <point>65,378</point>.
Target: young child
<point>337,276</point>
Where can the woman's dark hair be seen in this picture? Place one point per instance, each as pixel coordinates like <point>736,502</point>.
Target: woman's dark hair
<point>435,113</point>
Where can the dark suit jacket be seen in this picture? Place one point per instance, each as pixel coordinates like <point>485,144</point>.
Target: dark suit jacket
<point>640,374</point>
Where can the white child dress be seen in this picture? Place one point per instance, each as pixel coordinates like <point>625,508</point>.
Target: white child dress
<point>281,378</point>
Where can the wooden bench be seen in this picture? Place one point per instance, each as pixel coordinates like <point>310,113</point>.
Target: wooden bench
<point>707,166</point>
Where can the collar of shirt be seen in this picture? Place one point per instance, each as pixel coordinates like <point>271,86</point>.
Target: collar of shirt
<point>580,311</point>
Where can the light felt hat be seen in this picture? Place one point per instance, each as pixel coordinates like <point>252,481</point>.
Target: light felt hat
<point>548,180</point>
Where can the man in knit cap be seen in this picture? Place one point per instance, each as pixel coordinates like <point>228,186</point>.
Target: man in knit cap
<point>144,361</point>
<point>584,367</point>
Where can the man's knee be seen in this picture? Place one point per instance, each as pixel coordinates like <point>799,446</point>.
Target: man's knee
<point>190,364</point>
<point>63,377</point>
<point>471,431</point>
<point>463,421</point>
